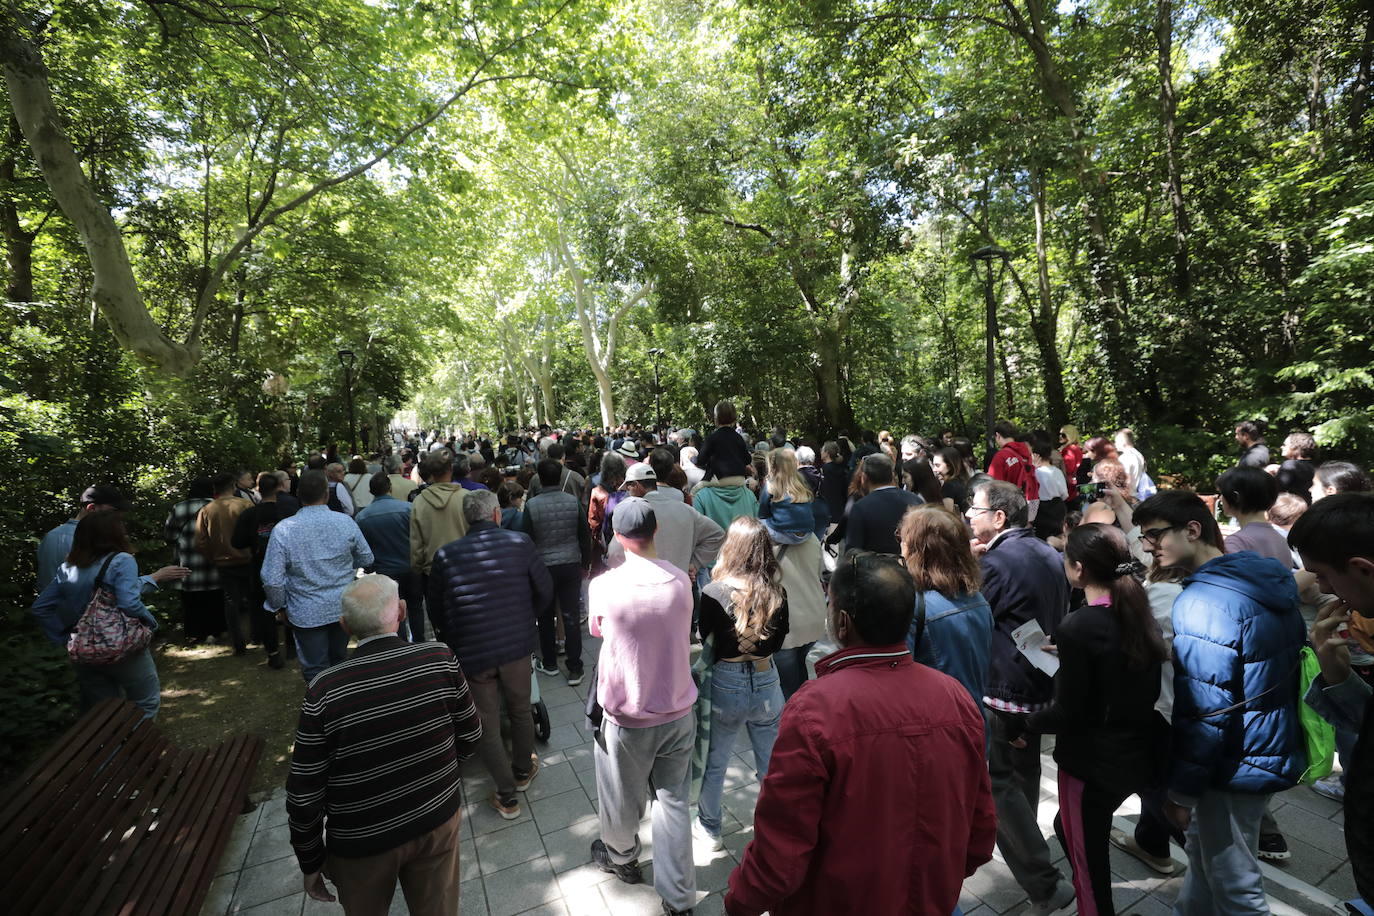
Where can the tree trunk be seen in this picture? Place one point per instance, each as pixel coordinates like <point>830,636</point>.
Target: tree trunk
<point>1168,113</point>
<point>836,411</point>
<point>115,290</point>
<point>18,242</point>
<point>1364,75</point>
<point>1108,311</point>
<point>1045,319</point>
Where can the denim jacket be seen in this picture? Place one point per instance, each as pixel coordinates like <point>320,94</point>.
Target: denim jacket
<point>64,599</point>
<point>957,638</point>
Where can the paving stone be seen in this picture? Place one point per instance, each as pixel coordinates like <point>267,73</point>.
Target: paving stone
<point>1308,863</point>
<point>220,895</point>
<point>282,906</point>
<point>559,811</point>
<point>570,847</point>
<point>574,713</point>
<point>581,757</point>
<point>484,819</point>
<point>261,883</point>
<point>467,861</point>
<point>557,908</point>
<point>1340,883</point>
<point>1303,797</point>
<point>566,736</point>
<point>273,811</point>
<point>503,848</point>
<point>472,898</point>
<point>713,868</point>
<point>236,850</point>
<point>632,899</point>
<point>995,887</point>
<point>518,889</point>
<point>269,844</point>
<point>552,780</point>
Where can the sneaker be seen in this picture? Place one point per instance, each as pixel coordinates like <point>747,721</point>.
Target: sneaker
<point>1126,843</point>
<point>545,669</point>
<point>274,660</point>
<point>523,782</point>
<point>508,808</point>
<point>574,678</point>
<point>1060,901</point>
<point>1273,847</point>
<point>1331,787</point>
<point>601,858</point>
<point>705,836</point>
<point>669,911</point>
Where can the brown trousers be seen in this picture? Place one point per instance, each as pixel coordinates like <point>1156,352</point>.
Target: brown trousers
<point>510,682</point>
<point>427,868</point>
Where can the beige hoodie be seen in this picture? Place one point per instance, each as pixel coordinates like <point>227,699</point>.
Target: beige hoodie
<point>436,519</point>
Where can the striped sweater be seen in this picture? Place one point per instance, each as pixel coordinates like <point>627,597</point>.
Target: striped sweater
<point>377,750</point>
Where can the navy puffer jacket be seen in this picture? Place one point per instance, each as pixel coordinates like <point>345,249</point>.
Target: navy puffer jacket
<point>1237,635</point>
<point>485,590</point>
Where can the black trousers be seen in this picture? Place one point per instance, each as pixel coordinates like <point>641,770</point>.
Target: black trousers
<point>567,590</point>
<point>1084,826</point>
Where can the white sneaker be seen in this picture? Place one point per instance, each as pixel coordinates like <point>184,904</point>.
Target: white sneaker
<point>1330,787</point>
<point>704,836</point>
<point>1061,902</point>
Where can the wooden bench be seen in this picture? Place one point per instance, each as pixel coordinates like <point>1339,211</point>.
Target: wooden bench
<point>114,820</point>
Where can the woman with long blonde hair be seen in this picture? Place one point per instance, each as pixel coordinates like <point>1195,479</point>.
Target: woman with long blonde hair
<point>744,617</point>
<point>788,499</point>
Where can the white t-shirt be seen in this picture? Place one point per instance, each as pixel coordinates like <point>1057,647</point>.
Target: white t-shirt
<point>1134,464</point>
<point>1052,483</point>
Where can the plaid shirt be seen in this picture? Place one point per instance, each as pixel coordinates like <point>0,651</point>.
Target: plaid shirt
<point>180,529</point>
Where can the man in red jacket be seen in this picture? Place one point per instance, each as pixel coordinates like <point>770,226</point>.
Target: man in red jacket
<point>1012,462</point>
<point>877,798</point>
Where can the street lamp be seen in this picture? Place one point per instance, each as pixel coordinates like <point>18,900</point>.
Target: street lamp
<point>656,352</point>
<point>985,256</point>
<point>346,360</point>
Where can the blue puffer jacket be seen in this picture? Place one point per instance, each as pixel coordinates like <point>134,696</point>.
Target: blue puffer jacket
<point>485,591</point>
<point>1237,635</point>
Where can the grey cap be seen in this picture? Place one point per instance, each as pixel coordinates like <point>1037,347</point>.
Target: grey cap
<point>634,518</point>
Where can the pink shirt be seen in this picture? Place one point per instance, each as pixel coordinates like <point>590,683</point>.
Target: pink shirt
<point>643,609</point>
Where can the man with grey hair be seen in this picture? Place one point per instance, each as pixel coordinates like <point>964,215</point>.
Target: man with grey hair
<point>1023,581</point>
<point>337,489</point>
<point>462,467</point>
<point>485,591</point>
<point>873,520</point>
<point>375,765</point>
<point>401,486</point>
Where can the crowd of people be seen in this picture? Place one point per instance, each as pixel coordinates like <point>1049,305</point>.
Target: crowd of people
<point>895,626</point>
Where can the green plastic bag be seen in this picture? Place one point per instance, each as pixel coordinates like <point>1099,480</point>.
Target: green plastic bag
<point>1317,733</point>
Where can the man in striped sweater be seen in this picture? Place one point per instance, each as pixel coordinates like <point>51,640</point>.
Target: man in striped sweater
<point>377,751</point>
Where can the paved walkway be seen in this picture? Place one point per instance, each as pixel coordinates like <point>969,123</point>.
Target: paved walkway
<point>538,864</point>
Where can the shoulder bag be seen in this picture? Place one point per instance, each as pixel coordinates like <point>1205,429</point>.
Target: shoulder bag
<point>105,634</point>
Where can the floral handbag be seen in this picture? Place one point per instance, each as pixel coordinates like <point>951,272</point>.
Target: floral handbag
<point>105,634</point>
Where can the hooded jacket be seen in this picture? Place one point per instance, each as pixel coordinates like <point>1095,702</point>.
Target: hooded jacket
<point>723,505</point>
<point>1013,464</point>
<point>1237,634</point>
<point>436,519</point>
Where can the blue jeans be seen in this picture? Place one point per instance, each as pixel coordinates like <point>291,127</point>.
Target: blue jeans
<point>792,668</point>
<point>319,648</point>
<point>134,677</point>
<point>1223,857</point>
<point>740,696</point>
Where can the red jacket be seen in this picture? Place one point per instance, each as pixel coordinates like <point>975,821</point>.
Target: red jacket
<point>1012,463</point>
<point>1073,457</point>
<point>877,798</point>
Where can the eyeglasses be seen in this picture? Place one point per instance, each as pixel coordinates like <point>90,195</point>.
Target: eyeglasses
<point>1153,535</point>
<point>973,509</point>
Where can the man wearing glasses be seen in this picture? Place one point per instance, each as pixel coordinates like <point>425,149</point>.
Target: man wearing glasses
<point>1023,580</point>
<point>1236,736</point>
<point>877,799</point>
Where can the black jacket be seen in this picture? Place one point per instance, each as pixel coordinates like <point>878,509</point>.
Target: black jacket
<point>835,487</point>
<point>485,592</point>
<point>873,520</point>
<point>1023,578</point>
<point>1103,711</point>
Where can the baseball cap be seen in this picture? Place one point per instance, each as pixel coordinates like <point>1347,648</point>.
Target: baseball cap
<point>102,495</point>
<point>641,471</point>
<point>634,518</point>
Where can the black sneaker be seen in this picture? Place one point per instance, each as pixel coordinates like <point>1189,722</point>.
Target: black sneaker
<point>274,660</point>
<point>669,911</point>
<point>1273,847</point>
<point>629,872</point>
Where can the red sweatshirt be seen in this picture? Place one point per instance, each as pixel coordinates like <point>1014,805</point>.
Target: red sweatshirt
<point>877,798</point>
<point>1012,463</point>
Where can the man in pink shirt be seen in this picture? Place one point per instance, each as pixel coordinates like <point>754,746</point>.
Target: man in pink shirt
<point>643,609</point>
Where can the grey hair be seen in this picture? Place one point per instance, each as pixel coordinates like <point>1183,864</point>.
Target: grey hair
<point>478,505</point>
<point>461,463</point>
<point>365,602</point>
<point>392,464</point>
<point>806,455</point>
<point>1005,497</point>
<point>285,479</point>
<point>334,467</point>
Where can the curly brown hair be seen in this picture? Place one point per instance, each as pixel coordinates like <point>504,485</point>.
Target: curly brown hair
<point>935,544</point>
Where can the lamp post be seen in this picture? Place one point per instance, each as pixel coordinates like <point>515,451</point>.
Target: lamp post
<point>985,256</point>
<point>656,352</point>
<point>346,360</point>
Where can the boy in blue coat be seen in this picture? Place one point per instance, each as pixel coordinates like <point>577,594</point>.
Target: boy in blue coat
<point>1236,736</point>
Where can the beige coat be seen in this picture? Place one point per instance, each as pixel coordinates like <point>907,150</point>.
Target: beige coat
<point>436,519</point>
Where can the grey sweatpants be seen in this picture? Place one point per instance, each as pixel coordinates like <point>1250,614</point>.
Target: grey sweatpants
<point>631,763</point>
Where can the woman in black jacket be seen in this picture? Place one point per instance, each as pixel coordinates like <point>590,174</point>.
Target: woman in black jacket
<point>1110,652</point>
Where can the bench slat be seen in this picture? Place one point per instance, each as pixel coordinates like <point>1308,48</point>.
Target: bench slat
<point>195,884</point>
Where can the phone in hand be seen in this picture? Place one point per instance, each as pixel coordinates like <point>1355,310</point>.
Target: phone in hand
<point>1091,491</point>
